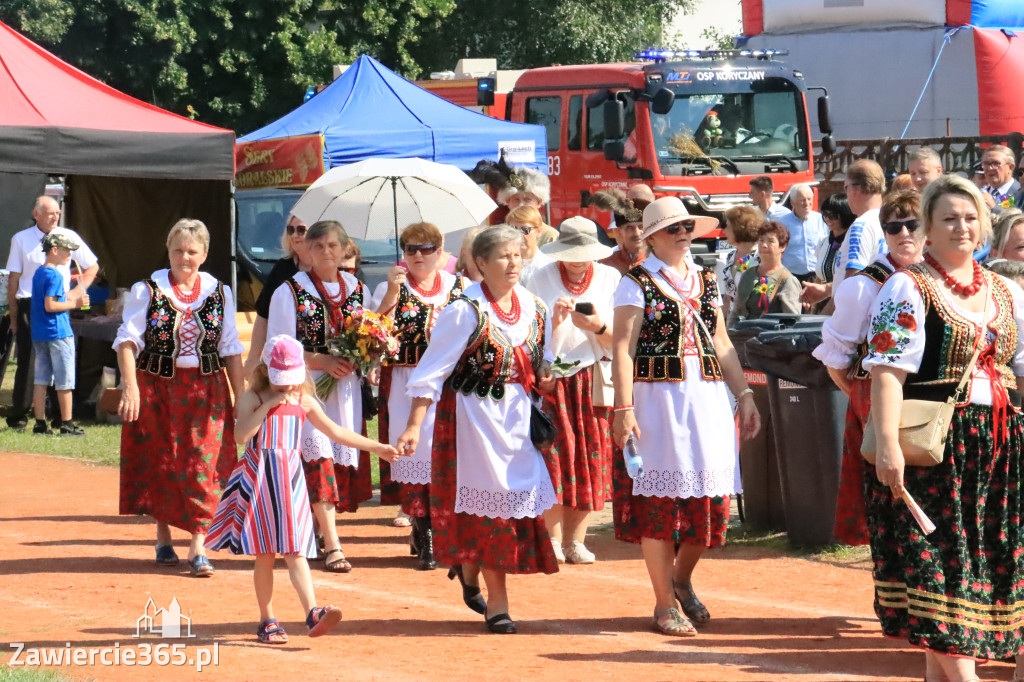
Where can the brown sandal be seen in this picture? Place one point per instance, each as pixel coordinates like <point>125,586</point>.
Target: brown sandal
<point>673,624</point>
<point>338,565</point>
<point>688,602</point>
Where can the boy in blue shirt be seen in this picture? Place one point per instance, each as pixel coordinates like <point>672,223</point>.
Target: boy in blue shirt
<point>52,339</point>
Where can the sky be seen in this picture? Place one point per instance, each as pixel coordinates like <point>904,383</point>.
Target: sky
<point>726,15</point>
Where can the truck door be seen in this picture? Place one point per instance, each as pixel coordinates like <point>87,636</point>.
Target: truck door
<point>546,110</point>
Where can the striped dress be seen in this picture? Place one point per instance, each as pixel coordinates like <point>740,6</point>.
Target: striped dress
<point>265,507</point>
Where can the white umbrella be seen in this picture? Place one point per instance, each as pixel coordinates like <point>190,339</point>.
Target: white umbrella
<point>372,198</point>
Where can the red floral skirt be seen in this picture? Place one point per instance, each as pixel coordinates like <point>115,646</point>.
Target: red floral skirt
<point>851,525</point>
<point>416,499</point>
<point>390,490</point>
<point>507,545</point>
<point>178,455</point>
<point>580,456</point>
<point>320,480</point>
<point>688,521</point>
<point>354,485</point>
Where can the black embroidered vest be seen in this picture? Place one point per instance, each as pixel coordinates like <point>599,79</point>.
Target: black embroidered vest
<point>659,350</point>
<point>950,338</point>
<point>877,272</point>
<point>311,316</point>
<point>162,345</point>
<point>486,365</point>
<point>412,319</point>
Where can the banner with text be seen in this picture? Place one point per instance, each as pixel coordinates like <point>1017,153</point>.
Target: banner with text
<point>280,162</point>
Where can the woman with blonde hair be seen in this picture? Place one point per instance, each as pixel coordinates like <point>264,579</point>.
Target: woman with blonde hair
<point>1008,236</point>
<point>176,340</point>
<point>528,221</point>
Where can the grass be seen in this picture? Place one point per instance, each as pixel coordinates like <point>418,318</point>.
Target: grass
<point>9,674</point>
<point>778,542</point>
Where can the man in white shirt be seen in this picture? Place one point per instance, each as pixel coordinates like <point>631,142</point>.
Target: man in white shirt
<point>1000,190</point>
<point>865,241</point>
<point>25,258</point>
<point>806,228</point>
<point>762,194</point>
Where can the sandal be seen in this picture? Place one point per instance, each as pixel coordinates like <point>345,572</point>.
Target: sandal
<point>200,566</point>
<point>402,520</point>
<point>271,632</point>
<point>339,565</point>
<point>165,556</point>
<point>501,624</point>
<point>321,619</point>
<point>692,607</point>
<point>673,623</point>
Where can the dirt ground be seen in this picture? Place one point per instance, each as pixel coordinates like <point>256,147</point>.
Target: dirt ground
<point>74,572</point>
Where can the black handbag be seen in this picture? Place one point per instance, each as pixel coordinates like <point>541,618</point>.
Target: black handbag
<point>542,428</point>
<point>370,408</point>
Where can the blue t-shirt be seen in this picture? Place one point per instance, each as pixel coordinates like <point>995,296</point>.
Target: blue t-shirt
<point>46,326</point>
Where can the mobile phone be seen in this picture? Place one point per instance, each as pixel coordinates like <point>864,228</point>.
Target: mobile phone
<point>585,308</point>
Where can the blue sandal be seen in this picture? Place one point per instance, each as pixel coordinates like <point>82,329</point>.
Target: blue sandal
<point>165,556</point>
<point>321,619</point>
<point>271,632</point>
<point>200,567</point>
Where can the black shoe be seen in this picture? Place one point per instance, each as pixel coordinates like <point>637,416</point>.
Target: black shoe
<point>41,428</point>
<point>56,423</point>
<point>69,429</point>
<point>414,539</point>
<point>427,562</point>
<point>470,593</point>
<point>501,624</point>
<point>17,423</point>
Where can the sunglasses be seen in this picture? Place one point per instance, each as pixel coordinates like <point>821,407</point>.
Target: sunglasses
<point>351,269</point>
<point>525,229</point>
<point>894,227</point>
<point>688,225</point>
<point>296,229</point>
<point>425,249</point>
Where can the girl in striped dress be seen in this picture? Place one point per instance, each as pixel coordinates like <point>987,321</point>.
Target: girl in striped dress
<point>265,508</point>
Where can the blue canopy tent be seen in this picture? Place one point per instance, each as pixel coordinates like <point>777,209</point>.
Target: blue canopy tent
<point>371,112</point>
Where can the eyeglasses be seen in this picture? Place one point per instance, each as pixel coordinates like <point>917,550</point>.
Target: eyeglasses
<point>894,227</point>
<point>296,229</point>
<point>351,269</point>
<point>525,229</point>
<point>994,164</point>
<point>425,249</point>
<point>689,225</point>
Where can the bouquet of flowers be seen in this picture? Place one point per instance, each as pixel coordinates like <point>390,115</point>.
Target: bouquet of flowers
<point>364,339</point>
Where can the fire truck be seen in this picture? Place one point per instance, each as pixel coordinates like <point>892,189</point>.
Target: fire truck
<point>695,124</point>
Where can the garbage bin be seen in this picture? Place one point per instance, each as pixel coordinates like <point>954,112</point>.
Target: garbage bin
<point>808,415</point>
<point>762,493</point>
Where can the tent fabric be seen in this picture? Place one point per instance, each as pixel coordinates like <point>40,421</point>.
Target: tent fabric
<point>54,118</point>
<point>1001,14</point>
<point>794,16</point>
<point>372,112</point>
<point>753,17</point>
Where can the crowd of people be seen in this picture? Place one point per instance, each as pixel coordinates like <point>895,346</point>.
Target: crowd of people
<point>541,373</point>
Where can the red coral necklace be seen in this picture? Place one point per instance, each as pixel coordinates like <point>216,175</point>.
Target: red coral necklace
<point>959,288</point>
<point>509,318</point>
<point>334,301</point>
<point>433,291</point>
<point>576,288</point>
<point>189,297</point>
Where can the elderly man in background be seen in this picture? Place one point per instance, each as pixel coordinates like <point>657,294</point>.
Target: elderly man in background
<point>923,165</point>
<point>25,258</point>
<point>806,228</point>
<point>762,194</point>
<point>865,241</point>
<point>1000,190</point>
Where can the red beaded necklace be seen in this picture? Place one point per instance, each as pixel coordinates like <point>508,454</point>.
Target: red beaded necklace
<point>433,291</point>
<point>182,296</point>
<point>576,288</point>
<point>959,288</point>
<point>334,301</point>
<point>509,318</point>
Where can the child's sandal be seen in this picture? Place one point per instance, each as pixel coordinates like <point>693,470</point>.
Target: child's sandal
<point>321,619</point>
<point>271,632</point>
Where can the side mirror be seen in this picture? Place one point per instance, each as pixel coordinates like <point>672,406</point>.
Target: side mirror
<point>663,101</point>
<point>828,145</point>
<point>614,119</point>
<point>596,99</point>
<point>824,116</point>
<point>614,150</point>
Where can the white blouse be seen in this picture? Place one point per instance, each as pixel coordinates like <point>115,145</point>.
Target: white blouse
<point>136,307</point>
<point>897,331</point>
<point>844,331</point>
<point>499,472</point>
<point>568,342</point>
<point>439,299</point>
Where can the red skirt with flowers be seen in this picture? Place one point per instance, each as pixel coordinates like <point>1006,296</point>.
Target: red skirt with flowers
<point>390,490</point>
<point>507,545</point>
<point>320,480</point>
<point>416,499</point>
<point>688,521</point>
<point>580,456</point>
<point>851,526</point>
<point>178,455</point>
<point>354,485</point>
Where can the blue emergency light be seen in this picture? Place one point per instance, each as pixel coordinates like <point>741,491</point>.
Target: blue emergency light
<point>666,55</point>
<point>310,92</point>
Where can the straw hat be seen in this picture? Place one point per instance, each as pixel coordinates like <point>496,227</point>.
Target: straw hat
<point>284,360</point>
<point>577,242</point>
<point>667,210</point>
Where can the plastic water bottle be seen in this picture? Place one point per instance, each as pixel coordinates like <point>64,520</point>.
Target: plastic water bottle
<point>634,463</point>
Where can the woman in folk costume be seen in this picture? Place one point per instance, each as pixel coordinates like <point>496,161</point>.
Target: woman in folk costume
<point>489,485</point>
<point>671,362</point>
<point>577,292</point>
<point>312,307</point>
<point>413,296</point>
<point>844,346</point>
<point>957,592</point>
<point>177,445</point>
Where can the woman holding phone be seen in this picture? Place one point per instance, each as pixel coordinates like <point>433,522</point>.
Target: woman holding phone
<point>578,291</point>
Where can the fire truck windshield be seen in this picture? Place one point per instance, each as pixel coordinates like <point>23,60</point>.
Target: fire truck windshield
<point>733,127</point>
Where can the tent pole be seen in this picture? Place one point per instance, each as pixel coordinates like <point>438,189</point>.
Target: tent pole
<point>394,206</point>
<point>234,244</point>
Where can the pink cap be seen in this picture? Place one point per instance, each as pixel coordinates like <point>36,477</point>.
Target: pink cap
<point>283,357</point>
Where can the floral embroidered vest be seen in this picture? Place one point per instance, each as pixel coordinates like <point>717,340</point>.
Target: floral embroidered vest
<point>162,345</point>
<point>950,338</point>
<point>311,328</point>
<point>659,350</point>
<point>486,365</point>
<point>413,320</point>
<point>877,272</point>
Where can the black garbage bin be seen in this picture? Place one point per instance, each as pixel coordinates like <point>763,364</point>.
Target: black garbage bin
<point>808,416</point>
<point>759,468</point>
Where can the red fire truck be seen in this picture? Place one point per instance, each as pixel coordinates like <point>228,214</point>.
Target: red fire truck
<point>696,124</point>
